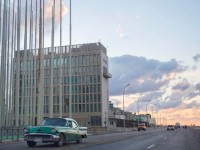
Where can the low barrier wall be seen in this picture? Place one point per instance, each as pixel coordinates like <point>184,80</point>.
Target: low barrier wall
<point>11,134</point>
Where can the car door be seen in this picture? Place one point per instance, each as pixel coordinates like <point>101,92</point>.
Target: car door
<point>70,132</point>
<point>75,130</point>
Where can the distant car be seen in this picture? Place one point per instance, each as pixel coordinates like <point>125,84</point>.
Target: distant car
<point>55,130</point>
<point>141,126</point>
<point>185,126</point>
<point>170,127</point>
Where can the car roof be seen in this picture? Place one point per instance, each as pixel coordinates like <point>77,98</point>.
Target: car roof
<point>69,119</point>
<point>62,118</point>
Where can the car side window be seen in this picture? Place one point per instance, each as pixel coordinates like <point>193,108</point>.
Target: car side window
<point>67,124</point>
<point>70,124</point>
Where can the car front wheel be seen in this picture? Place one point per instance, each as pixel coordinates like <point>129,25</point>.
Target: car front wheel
<point>79,140</point>
<point>61,141</point>
<point>31,143</point>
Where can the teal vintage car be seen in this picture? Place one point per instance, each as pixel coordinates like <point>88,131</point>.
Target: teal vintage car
<point>55,130</point>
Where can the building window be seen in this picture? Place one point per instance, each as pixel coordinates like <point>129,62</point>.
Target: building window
<point>99,88</point>
<point>95,107</point>
<point>83,108</point>
<point>91,107</point>
<point>91,97</point>
<point>95,59</point>
<point>99,107</point>
<point>95,98</point>
<point>99,97</point>
<point>83,98</point>
<point>98,60</point>
<point>76,107</point>
<point>91,79</point>
<point>95,120</point>
<point>87,107</point>
<point>80,108</point>
<point>72,107</point>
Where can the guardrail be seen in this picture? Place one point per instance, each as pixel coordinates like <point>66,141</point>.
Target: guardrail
<point>11,134</point>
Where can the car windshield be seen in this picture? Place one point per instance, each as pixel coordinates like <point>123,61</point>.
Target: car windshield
<point>142,124</point>
<point>54,122</point>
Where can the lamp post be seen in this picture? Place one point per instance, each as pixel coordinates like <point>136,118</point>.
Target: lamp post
<point>157,113</point>
<point>123,103</point>
<point>147,114</point>
<point>138,107</point>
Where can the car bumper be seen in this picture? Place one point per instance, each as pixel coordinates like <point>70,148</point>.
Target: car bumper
<point>141,128</point>
<point>39,137</point>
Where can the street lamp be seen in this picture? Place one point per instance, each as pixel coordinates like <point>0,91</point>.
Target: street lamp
<point>147,114</point>
<point>138,107</point>
<point>123,103</point>
<point>157,112</point>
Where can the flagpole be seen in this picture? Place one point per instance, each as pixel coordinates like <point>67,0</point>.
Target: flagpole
<point>70,71</point>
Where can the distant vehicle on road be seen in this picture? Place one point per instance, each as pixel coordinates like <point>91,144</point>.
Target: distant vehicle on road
<point>177,125</point>
<point>170,127</point>
<point>55,130</point>
<point>185,126</point>
<point>141,126</point>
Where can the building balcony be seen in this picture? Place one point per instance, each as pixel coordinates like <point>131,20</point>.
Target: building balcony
<point>107,75</point>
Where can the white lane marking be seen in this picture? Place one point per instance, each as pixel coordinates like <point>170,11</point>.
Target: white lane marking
<point>164,138</point>
<point>150,146</point>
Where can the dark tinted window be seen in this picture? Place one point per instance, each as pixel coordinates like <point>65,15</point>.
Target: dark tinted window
<point>54,122</point>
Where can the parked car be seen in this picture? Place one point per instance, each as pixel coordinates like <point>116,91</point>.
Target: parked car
<point>55,130</point>
<point>170,127</point>
<point>141,126</point>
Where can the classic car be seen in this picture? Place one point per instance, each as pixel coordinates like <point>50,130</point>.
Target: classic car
<point>141,126</point>
<point>55,130</point>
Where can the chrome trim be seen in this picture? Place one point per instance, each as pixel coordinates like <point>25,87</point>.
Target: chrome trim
<point>52,138</point>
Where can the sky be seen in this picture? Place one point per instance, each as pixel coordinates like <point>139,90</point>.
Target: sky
<point>153,45</point>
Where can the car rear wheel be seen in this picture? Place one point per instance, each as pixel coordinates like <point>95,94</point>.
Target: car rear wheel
<point>31,143</point>
<point>79,140</point>
<point>61,141</point>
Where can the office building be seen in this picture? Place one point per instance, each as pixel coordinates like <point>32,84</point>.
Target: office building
<point>46,88</point>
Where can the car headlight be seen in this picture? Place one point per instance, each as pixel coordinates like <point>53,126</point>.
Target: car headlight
<point>25,130</point>
<point>53,130</point>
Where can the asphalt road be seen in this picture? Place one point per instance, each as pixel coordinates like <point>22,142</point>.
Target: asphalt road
<point>152,139</point>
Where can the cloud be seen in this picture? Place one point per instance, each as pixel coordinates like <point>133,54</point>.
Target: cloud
<point>48,10</point>
<point>144,75</point>
<point>196,58</point>
<point>192,104</point>
<point>120,33</point>
<point>151,96</point>
<point>198,86</point>
<point>182,85</point>
<point>138,16</point>
<point>171,101</point>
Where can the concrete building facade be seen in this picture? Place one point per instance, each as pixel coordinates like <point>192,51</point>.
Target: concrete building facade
<point>47,87</point>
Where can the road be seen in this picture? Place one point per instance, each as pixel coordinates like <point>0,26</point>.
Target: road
<point>152,139</point>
